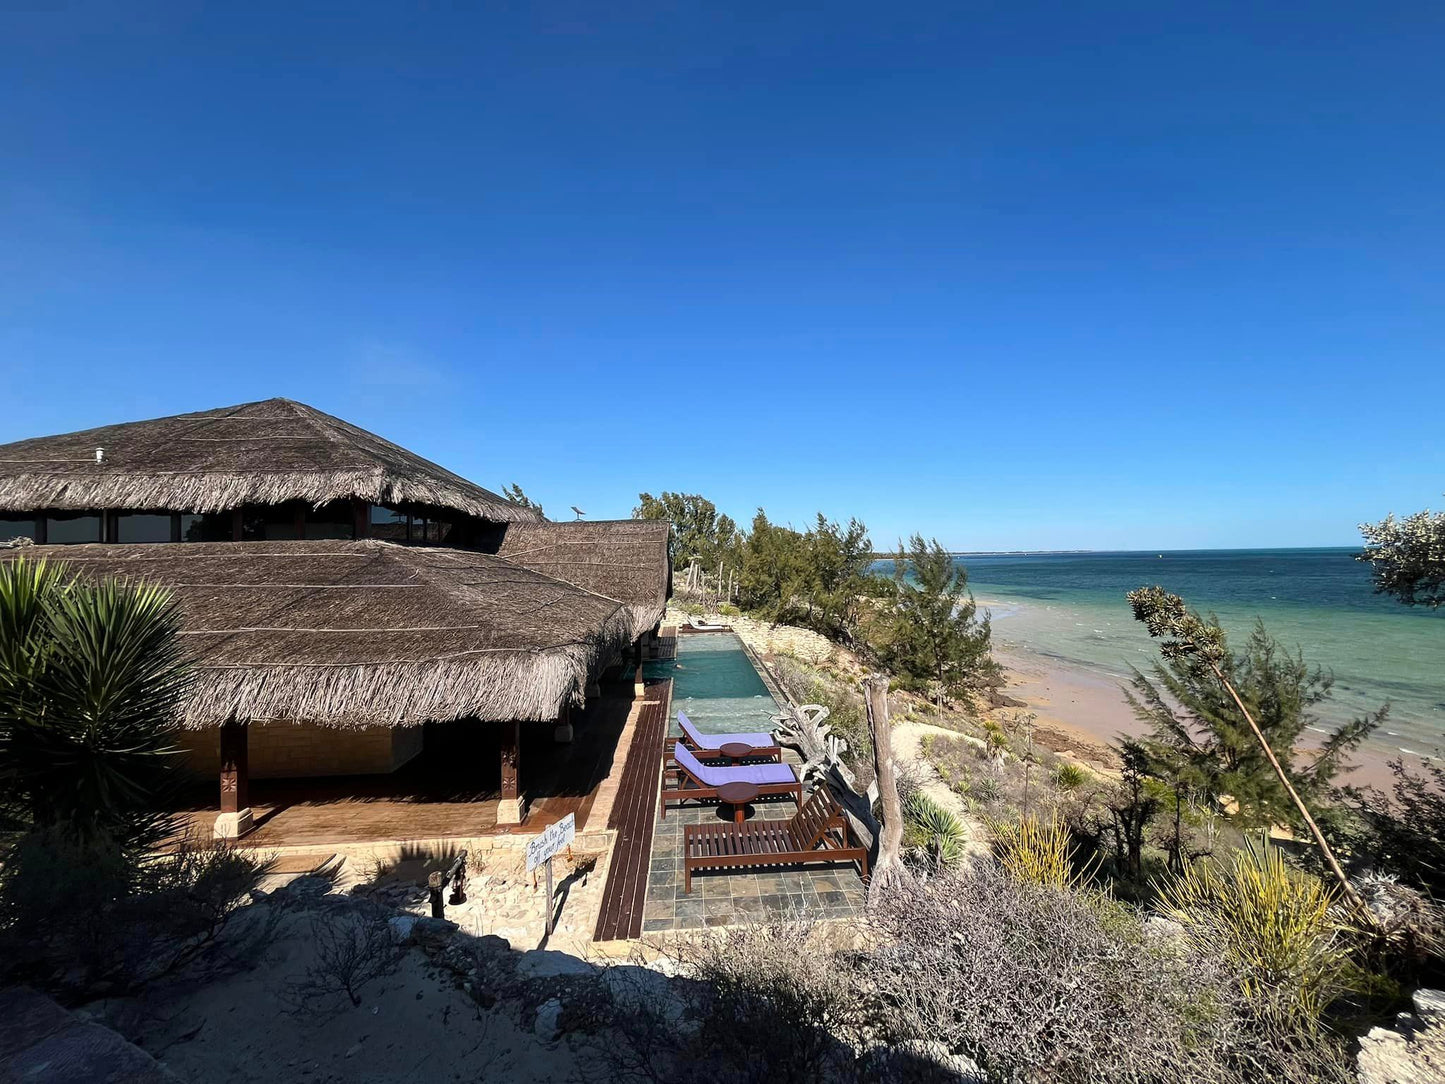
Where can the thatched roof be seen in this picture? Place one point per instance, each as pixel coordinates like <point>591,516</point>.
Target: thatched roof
<point>257,453</point>
<point>624,559</point>
<point>368,633</point>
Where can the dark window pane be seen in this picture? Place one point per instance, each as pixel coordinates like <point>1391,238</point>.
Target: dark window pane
<point>211,527</point>
<point>332,520</point>
<point>17,528</point>
<point>439,531</point>
<point>388,523</point>
<point>63,530</point>
<point>269,524</point>
<point>146,528</point>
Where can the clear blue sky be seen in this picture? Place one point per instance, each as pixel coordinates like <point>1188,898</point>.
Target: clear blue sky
<point>1012,274</point>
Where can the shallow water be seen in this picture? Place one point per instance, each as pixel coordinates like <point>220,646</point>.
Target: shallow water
<point>715,685</point>
<point>1071,607</point>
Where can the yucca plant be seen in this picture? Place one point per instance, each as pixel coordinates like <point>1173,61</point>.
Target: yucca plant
<point>934,831</point>
<point>1275,924</point>
<point>1036,851</point>
<point>91,679</point>
<point>1070,776</point>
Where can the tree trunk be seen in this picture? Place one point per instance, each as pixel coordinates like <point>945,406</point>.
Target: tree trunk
<point>1348,889</point>
<point>888,871</point>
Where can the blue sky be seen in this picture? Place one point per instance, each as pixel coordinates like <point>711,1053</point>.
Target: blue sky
<point>1023,275</point>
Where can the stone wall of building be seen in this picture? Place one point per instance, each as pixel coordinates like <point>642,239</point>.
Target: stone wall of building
<point>290,750</point>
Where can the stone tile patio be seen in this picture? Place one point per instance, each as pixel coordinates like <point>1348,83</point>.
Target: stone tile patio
<point>728,898</point>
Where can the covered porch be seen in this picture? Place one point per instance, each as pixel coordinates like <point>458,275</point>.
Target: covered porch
<point>471,779</point>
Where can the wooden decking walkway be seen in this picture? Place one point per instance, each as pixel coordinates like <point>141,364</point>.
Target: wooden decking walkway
<point>633,816</point>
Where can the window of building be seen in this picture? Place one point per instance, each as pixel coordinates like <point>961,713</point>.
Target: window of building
<point>142,528</point>
<point>210,527</point>
<point>11,527</point>
<point>68,528</point>
<point>271,523</point>
<point>390,524</point>
<point>334,520</point>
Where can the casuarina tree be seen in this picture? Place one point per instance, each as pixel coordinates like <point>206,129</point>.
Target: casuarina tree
<point>1266,691</point>
<point>938,641</point>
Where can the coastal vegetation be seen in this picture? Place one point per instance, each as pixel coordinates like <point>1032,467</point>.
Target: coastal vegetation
<point>921,624</point>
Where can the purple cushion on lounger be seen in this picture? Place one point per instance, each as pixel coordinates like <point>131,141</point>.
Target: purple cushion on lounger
<point>717,741</point>
<point>761,775</point>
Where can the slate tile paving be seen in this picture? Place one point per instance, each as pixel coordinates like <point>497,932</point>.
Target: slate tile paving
<point>720,898</point>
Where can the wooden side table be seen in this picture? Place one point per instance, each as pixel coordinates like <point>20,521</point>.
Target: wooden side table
<point>736,750</point>
<point>737,795</point>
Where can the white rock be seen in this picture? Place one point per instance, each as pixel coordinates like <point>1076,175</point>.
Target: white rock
<point>544,964</point>
<point>1430,1007</point>
<point>401,927</point>
<point>549,1015</point>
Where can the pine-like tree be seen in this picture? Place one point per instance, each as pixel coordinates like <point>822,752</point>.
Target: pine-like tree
<point>937,640</point>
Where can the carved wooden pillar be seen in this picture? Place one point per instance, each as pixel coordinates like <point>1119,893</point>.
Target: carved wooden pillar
<point>235,819</point>
<point>511,805</point>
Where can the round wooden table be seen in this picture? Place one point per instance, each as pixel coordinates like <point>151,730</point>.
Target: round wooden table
<point>735,750</point>
<point>737,795</point>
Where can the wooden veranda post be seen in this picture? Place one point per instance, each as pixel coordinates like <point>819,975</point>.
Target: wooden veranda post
<point>888,871</point>
<point>510,811</point>
<point>235,819</point>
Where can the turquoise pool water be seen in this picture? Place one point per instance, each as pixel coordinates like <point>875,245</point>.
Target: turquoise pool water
<point>715,684</point>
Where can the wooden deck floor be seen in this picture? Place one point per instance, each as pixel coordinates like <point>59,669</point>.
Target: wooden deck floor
<point>452,791</point>
<point>633,815</point>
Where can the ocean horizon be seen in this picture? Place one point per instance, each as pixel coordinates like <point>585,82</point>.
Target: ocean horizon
<point>1068,606</point>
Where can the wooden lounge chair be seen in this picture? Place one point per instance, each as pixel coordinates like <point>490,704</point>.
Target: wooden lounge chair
<point>710,746</point>
<point>818,832</point>
<point>687,777</point>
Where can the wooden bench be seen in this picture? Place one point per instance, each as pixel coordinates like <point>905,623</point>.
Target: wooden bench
<point>818,832</point>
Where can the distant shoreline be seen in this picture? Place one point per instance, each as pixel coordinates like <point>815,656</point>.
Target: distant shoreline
<point>1356,548</point>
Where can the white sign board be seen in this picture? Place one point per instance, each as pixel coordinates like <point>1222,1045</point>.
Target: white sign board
<point>554,839</point>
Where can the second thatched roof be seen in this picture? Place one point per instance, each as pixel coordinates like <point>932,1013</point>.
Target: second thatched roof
<point>622,559</point>
<point>267,452</point>
<point>368,633</point>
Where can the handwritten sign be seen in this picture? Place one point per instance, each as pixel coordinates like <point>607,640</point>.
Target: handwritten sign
<point>554,839</point>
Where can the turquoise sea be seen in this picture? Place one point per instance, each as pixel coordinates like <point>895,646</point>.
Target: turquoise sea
<point>1070,607</point>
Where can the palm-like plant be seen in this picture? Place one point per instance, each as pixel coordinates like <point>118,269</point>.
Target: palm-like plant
<point>91,679</point>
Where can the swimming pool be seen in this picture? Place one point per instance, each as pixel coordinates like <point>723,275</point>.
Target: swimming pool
<point>715,684</point>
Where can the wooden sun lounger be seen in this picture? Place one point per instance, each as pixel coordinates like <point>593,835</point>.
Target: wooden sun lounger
<point>688,778</point>
<point>818,832</point>
<point>710,746</point>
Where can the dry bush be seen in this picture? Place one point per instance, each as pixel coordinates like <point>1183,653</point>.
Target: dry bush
<point>758,1004</point>
<point>353,947</point>
<point>85,918</point>
<point>1038,983</point>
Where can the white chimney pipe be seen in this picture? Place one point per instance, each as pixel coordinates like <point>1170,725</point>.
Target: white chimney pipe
<point>100,455</point>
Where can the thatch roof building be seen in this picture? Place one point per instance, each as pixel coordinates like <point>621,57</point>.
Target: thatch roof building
<point>263,453</point>
<point>354,634</point>
<point>330,578</point>
<point>623,559</point>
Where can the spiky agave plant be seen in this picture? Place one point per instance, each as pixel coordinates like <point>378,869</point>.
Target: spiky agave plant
<point>1036,851</point>
<point>934,831</point>
<point>1275,924</point>
<point>92,676</point>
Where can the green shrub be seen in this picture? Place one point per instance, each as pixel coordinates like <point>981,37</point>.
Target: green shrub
<point>1038,852</point>
<point>1070,776</point>
<point>1272,921</point>
<point>727,609</point>
<point>933,831</point>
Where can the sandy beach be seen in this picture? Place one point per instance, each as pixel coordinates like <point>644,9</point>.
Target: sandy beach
<point>1080,712</point>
